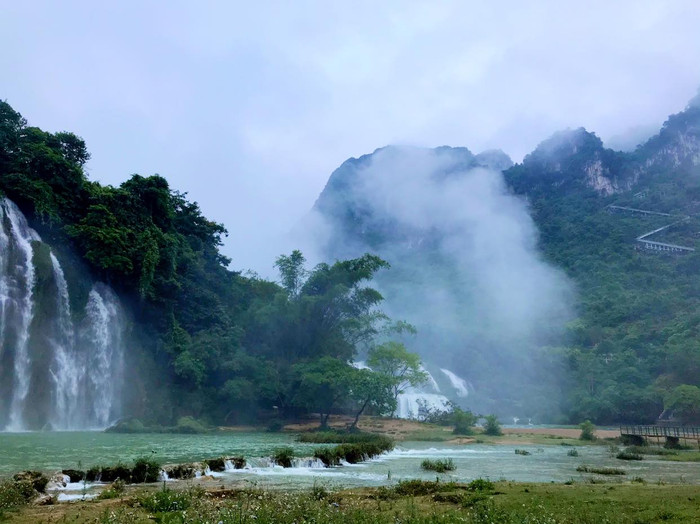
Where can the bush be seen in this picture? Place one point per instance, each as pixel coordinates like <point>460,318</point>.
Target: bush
<point>587,430</point>
<point>417,488</point>
<point>600,471</point>
<point>116,490</point>
<point>481,485</point>
<point>166,500</point>
<point>627,455</point>
<point>112,473</point>
<point>354,452</point>
<point>15,493</point>
<point>522,452</point>
<point>439,466</point>
<point>492,427</point>
<point>283,457</point>
<point>464,422</point>
<point>36,479</point>
<point>146,469</point>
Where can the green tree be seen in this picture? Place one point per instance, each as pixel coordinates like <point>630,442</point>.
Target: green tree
<point>587,430</point>
<point>322,384</point>
<point>369,389</point>
<point>492,426</point>
<point>393,360</point>
<point>463,421</point>
<point>684,403</point>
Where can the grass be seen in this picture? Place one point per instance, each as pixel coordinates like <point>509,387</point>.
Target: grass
<point>410,502</point>
<point>628,455</point>
<point>683,456</point>
<point>600,471</point>
<point>439,466</point>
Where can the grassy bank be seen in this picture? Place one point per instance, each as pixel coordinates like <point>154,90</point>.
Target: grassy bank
<point>415,502</point>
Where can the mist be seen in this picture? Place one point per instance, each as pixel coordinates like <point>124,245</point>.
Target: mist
<point>465,268</point>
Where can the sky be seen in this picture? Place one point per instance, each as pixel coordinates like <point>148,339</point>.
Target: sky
<point>249,106</point>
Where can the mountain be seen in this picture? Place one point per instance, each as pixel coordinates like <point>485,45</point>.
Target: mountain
<point>609,327</point>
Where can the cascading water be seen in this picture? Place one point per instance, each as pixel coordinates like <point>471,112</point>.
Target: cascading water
<point>55,372</point>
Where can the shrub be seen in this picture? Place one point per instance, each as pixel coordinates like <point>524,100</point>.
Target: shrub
<point>627,455</point>
<point>146,469</point>
<point>36,479</point>
<point>112,473</point>
<point>166,500</point>
<point>600,471</point>
<point>522,452</point>
<point>116,490</point>
<point>417,488</point>
<point>573,452</point>
<point>439,466</point>
<point>283,457</point>
<point>15,493</point>
<point>464,422</point>
<point>492,427</point>
<point>481,485</point>
<point>587,430</point>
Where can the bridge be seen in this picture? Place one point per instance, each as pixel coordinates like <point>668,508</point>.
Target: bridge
<point>672,434</point>
<point>651,245</point>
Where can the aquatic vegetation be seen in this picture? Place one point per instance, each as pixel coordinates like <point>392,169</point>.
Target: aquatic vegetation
<point>573,452</point>
<point>522,452</point>
<point>283,457</point>
<point>628,455</point>
<point>600,471</point>
<point>439,466</point>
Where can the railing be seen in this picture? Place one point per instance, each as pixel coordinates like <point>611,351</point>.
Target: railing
<point>661,431</point>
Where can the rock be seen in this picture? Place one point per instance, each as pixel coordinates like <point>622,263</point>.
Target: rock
<point>44,500</point>
<point>58,481</point>
<point>75,475</point>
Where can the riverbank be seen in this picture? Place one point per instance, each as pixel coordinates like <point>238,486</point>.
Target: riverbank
<point>417,502</point>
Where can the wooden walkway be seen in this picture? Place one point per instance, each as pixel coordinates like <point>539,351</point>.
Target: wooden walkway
<point>675,432</point>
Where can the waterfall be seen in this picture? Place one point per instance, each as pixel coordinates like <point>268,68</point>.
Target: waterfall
<point>18,283</point>
<point>58,369</point>
<point>104,335</point>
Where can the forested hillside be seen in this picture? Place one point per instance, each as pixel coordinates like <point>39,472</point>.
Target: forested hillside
<point>204,341</point>
<point>622,344</point>
<point>635,346</point>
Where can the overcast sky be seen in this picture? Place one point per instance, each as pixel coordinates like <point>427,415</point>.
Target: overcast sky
<point>249,106</point>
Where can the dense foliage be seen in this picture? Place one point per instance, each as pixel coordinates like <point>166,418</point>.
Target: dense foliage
<point>209,342</point>
<point>636,336</point>
<point>215,345</point>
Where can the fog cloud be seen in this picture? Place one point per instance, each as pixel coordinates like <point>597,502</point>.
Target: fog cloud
<point>465,267</point>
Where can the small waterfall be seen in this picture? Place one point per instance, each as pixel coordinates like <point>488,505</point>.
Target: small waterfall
<point>65,373</point>
<point>55,373</point>
<point>419,405</point>
<point>460,385</point>
<point>103,334</point>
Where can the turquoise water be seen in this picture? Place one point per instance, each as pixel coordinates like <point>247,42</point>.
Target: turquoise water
<point>53,451</point>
